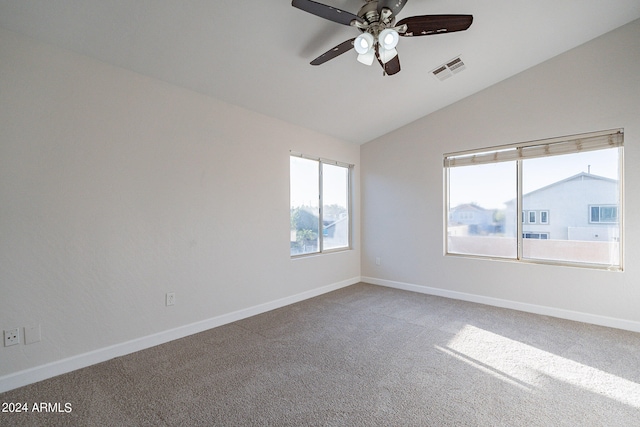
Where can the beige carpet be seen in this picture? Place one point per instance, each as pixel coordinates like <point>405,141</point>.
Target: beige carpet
<point>362,356</point>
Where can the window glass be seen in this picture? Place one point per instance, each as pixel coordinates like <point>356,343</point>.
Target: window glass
<point>544,217</point>
<point>604,214</point>
<point>582,191</point>
<point>478,220</point>
<point>335,207</point>
<point>305,212</point>
<point>315,183</point>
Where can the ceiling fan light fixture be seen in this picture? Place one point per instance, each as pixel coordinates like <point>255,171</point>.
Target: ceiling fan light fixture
<point>387,55</point>
<point>366,58</point>
<point>363,43</point>
<point>388,38</point>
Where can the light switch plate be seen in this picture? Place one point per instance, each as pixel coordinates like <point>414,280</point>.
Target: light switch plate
<point>32,334</point>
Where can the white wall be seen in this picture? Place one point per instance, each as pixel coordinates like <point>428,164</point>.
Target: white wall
<point>593,87</point>
<point>116,188</point>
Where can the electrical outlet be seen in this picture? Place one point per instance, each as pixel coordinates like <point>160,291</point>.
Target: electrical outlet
<point>11,337</point>
<point>377,260</point>
<point>171,298</point>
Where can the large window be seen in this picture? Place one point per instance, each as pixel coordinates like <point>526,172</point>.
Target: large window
<point>500,201</point>
<point>320,206</point>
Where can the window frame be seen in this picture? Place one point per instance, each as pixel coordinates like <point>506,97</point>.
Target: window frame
<point>514,152</point>
<point>538,233</point>
<point>600,207</point>
<point>322,161</point>
<point>546,214</point>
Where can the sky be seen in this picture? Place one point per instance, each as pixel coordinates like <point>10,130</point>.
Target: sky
<point>491,185</point>
<point>304,183</point>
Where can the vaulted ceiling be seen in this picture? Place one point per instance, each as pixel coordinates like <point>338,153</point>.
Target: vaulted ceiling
<point>256,54</point>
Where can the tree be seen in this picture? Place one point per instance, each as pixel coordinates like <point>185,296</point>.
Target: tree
<point>305,222</point>
<point>333,211</point>
<point>303,218</point>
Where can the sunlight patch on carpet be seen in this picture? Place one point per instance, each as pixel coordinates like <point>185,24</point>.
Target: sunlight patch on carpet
<point>524,365</point>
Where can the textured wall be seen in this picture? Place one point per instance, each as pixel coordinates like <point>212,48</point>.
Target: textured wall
<point>116,188</point>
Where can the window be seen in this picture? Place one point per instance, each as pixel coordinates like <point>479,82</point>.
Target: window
<point>529,235</point>
<point>608,214</point>
<point>544,217</point>
<point>481,190</point>
<point>319,205</point>
<point>579,178</point>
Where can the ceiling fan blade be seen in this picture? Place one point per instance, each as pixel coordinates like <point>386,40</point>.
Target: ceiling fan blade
<point>391,67</point>
<point>394,5</point>
<point>426,25</point>
<point>332,53</point>
<point>327,12</point>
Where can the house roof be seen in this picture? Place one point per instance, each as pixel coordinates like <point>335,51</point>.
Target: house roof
<point>581,175</point>
<point>469,207</point>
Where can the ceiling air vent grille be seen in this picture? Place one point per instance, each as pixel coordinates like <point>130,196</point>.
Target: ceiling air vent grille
<point>447,70</point>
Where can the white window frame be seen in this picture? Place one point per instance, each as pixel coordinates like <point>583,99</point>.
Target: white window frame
<point>591,221</point>
<point>529,216</point>
<point>547,215</point>
<point>521,151</point>
<point>349,167</point>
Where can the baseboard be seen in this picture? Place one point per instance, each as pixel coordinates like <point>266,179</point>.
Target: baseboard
<point>59,367</point>
<point>594,319</point>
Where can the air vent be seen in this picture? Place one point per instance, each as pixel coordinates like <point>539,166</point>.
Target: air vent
<point>447,70</point>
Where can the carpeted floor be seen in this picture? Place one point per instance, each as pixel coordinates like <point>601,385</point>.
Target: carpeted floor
<point>361,356</point>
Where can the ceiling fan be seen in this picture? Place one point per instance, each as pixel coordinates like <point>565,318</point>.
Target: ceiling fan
<point>380,32</point>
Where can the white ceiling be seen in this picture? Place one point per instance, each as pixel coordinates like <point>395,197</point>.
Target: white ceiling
<point>256,54</point>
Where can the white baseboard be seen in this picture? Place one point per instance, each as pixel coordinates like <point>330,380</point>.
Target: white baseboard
<point>49,370</point>
<point>594,319</point>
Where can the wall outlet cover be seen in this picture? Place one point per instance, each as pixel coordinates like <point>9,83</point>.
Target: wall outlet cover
<point>171,298</point>
<point>11,337</point>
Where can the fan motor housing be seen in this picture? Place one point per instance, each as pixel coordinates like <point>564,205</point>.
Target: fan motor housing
<point>374,24</point>
<point>369,12</point>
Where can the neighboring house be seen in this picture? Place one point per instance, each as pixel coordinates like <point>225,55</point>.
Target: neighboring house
<point>471,219</point>
<point>336,232</point>
<point>581,207</point>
